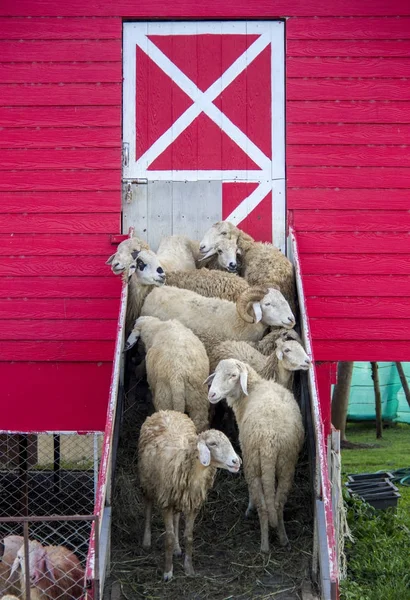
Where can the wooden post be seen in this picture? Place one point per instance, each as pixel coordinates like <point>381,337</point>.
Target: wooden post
<point>403,380</point>
<point>378,400</point>
<point>340,400</point>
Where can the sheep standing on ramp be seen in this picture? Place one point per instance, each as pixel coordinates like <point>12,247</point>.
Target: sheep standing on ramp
<point>177,365</point>
<point>177,468</point>
<point>270,435</point>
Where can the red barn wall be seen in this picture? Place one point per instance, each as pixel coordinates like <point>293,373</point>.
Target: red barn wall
<point>348,120</point>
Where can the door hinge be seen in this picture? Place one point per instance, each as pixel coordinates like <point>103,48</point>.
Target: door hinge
<point>125,154</point>
<point>137,181</point>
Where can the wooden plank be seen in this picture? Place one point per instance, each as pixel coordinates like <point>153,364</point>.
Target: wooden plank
<point>343,133</point>
<point>341,47</point>
<point>57,223</point>
<point>78,137</point>
<point>329,28</point>
<point>347,177</point>
<point>349,220</point>
<point>357,285</point>
<point>60,202</point>
<point>347,67</point>
<point>67,94</point>
<point>33,28</point>
<point>347,199</point>
<point>82,401</point>
<point>358,308</point>
<point>64,51</point>
<point>355,264</point>
<point>64,308</point>
<point>381,350</point>
<point>59,181</point>
<point>348,112</point>
<point>60,287</point>
<point>91,72</point>
<point>146,9</point>
<point>347,89</point>
<point>55,245</point>
<point>350,156</point>
<point>30,266</point>
<point>60,116</point>
<point>82,158</point>
<point>340,242</point>
<point>58,330</point>
<point>360,329</point>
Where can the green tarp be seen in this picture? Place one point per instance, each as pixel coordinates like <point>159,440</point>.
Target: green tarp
<point>394,403</point>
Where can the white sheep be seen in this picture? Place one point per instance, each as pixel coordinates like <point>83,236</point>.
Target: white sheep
<point>178,253</point>
<point>123,257</point>
<point>54,572</point>
<point>176,364</point>
<point>261,262</point>
<point>177,468</point>
<point>224,255</point>
<point>255,310</point>
<point>288,356</point>
<point>270,435</point>
<point>9,546</point>
<point>212,284</point>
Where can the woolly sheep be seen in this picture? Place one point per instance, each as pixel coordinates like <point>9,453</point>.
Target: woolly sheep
<point>288,356</point>
<point>54,571</point>
<point>224,319</point>
<point>178,253</point>
<point>212,284</point>
<point>9,546</point>
<point>267,344</point>
<point>224,255</point>
<point>123,257</point>
<point>260,262</point>
<point>176,364</point>
<point>270,435</point>
<point>177,468</point>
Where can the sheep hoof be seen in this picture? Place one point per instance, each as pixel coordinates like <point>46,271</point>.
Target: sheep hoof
<point>189,570</point>
<point>265,549</point>
<point>168,576</point>
<point>177,551</point>
<point>146,545</point>
<point>249,512</point>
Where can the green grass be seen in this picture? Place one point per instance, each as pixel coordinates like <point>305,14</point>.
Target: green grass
<point>379,558</point>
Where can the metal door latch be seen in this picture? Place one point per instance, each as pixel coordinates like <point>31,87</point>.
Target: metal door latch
<point>125,154</point>
<point>128,193</point>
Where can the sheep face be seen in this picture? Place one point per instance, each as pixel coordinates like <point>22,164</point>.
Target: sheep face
<point>274,310</point>
<point>292,355</point>
<point>215,234</point>
<point>121,260</point>
<point>215,449</point>
<point>227,252</point>
<point>37,562</point>
<point>147,268</point>
<point>229,381</point>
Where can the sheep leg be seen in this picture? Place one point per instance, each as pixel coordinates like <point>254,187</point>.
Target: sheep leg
<point>285,481</point>
<point>189,538</point>
<point>250,509</point>
<point>169,542</point>
<point>257,499</point>
<point>177,547</point>
<point>146,542</point>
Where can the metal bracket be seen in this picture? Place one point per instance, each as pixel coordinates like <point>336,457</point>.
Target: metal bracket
<point>125,154</point>
<point>138,181</point>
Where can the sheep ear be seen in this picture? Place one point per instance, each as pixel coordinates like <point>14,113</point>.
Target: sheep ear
<point>14,567</point>
<point>204,453</point>
<point>131,269</point>
<point>244,381</point>
<point>279,354</point>
<point>209,379</point>
<point>49,567</point>
<point>210,253</point>
<point>109,261</point>
<point>131,340</point>
<point>135,253</point>
<point>258,311</point>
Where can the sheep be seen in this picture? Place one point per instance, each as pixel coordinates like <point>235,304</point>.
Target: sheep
<point>9,546</point>
<point>271,435</point>
<point>177,468</point>
<point>224,319</point>
<point>260,262</point>
<point>176,364</point>
<point>122,258</point>
<point>178,253</point>
<point>223,256</point>
<point>9,597</point>
<point>54,571</point>
<point>289,356</point>
<point>212,284</point>
<point>267,344</point>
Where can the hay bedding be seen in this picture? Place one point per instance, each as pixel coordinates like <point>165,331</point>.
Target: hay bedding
<point>226,555</point>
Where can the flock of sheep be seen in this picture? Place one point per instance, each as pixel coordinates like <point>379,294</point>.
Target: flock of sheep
<point>233,332</point>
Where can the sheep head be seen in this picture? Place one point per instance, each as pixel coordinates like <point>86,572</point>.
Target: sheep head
<point>121,260</point>
<point>292,355</point>
<point>37,562</point>
<point>230,381</point>
<point>267,304</point>
<point>228,254</point>
<point>215,449</point>
<point>146,268</point>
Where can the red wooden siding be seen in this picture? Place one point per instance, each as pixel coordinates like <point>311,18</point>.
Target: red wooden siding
<point>348,110</point>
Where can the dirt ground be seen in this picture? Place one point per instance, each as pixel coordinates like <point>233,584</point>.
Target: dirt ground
<point>227,560</point>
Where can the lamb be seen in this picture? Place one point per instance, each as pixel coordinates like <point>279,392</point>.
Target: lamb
<point>260,262</point>
<point>224,319</point>
<point>9,546</point>
<point>54,571</point>
<point>177,468</point>
<point>212,284</point>
<point>176,364</point>
<point>270,435</point>
<point>289,356</point>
